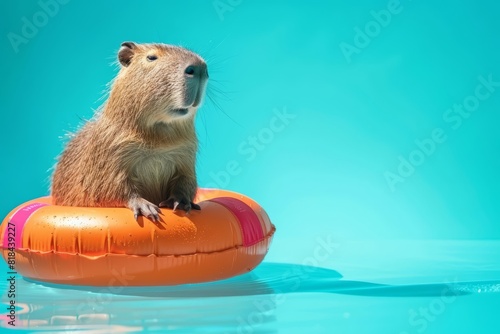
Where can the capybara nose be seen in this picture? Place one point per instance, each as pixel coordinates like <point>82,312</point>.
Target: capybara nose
<point>197,70</point>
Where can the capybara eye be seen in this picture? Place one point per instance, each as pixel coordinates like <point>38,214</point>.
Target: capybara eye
<point>151,57</point>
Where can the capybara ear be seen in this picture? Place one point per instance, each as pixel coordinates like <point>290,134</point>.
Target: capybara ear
<point>126,53</point>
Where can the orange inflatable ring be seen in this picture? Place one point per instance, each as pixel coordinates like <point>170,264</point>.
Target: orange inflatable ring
<point>108,247</point>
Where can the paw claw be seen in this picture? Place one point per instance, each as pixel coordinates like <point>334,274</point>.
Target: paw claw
<point>168,203</point>
<point>179,204</point>
<point>141,207</point>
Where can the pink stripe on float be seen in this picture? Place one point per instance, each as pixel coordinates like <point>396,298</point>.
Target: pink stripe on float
<point>19,219</point>
<point>249,222</point>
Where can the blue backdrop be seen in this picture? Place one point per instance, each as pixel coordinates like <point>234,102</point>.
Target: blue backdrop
<point>365,120</point>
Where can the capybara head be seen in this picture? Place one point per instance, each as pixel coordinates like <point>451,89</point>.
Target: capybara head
<point>158,82</point>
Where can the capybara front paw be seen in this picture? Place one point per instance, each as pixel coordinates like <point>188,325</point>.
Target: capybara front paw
<point>181,204</point>
<point>141,207</point>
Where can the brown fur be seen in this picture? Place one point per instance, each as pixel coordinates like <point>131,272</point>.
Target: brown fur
<point>135,147</point>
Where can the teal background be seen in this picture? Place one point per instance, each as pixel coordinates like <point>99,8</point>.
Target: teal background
<point>382,255</point>
<point>323,173</point>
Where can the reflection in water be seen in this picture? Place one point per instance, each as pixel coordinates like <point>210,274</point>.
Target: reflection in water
<point>237,305</point>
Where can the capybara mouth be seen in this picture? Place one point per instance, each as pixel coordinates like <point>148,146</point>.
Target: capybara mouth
<point>199,95</point>
<point>180,111</point>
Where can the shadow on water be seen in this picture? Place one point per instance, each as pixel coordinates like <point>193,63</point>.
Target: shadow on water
<point>236,305</point>
<point>276,278</point>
